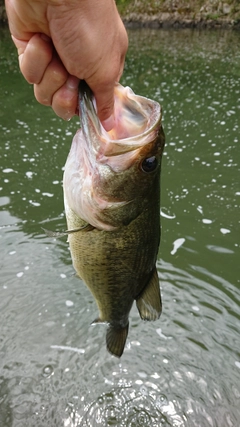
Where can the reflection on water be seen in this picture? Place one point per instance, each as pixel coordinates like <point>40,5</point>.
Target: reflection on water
<point>182,371</point>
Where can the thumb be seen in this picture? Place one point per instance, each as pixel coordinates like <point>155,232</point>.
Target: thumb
<point>105,106</point>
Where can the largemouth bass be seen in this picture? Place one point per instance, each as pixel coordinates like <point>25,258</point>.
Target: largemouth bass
<point>112,202</point>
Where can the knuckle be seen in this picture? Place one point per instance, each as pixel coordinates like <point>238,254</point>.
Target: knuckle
<point>58,74</point>
<point>64,106</point>
<point>41,96</point>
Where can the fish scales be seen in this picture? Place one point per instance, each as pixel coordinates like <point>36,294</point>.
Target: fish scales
<point>116,256</point>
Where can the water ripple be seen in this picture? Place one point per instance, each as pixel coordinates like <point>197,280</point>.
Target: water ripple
<point>129,407</point>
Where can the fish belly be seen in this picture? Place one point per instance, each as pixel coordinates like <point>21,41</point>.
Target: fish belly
<point>116,266</point>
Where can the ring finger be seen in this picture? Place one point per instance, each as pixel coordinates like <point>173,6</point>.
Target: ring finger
<point>53,79</point>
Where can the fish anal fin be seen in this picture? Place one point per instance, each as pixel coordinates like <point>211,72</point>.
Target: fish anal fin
<point>98,321</point>
<point>116,339</point>
<point>149,302</point>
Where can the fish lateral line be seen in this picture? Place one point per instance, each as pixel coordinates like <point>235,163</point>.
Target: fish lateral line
<point>57,234</point>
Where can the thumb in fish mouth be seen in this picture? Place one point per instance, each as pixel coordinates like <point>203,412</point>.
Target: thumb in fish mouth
<point>104,97</point>
<point>104,103</point>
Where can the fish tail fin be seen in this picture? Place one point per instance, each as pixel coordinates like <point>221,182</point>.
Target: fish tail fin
<point>149,302</point>
<point>116,339</point>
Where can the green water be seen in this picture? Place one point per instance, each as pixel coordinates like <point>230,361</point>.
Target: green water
<point>183,370</point>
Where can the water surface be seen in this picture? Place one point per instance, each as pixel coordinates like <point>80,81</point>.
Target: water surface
<point>183,370</point>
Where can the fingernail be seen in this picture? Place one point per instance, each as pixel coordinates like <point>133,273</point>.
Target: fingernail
<point>72,82</point>
<point>66,116</point>
<point>109,123</point>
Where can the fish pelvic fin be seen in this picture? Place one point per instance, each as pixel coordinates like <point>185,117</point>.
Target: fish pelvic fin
<point>149,302</point>
<point>116,339</point>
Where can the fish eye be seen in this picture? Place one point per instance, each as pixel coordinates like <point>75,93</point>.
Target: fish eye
<point>149,164</point>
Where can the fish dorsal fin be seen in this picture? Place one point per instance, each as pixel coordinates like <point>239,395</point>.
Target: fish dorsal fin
<point>149,302</point>
<point>116,339</point>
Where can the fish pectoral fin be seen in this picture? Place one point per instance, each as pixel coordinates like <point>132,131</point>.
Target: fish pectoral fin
<point>116,339</point>
<point>87,227</point>
<point>56,234</point>
<point>149,302</point>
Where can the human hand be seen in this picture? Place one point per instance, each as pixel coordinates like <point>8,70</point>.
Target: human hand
<point>61,42</point>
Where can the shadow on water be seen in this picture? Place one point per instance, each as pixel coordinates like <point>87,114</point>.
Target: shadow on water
<point>183,370</point>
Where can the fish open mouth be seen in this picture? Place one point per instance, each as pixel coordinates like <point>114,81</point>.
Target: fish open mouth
<point>137,121</point>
